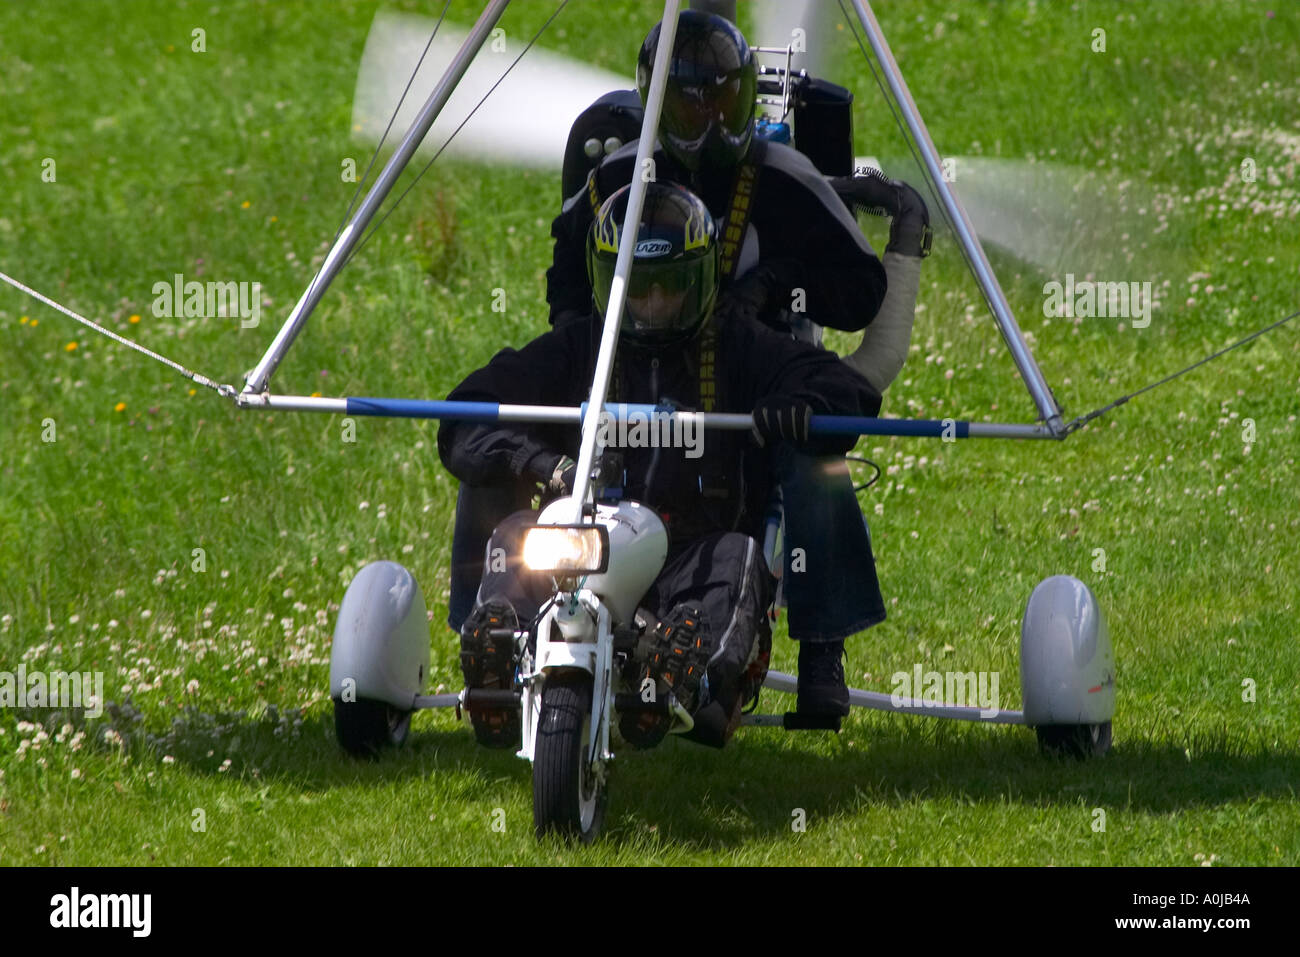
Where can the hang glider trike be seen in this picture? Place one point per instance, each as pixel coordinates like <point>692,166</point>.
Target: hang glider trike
<point>604,554</point>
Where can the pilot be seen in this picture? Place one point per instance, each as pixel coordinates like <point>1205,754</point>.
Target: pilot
<point>705,633</point>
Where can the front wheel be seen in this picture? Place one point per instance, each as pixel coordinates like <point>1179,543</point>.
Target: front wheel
<point>568,796</point>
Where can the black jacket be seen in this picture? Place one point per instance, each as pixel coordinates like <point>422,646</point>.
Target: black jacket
<point>726,486</point>
<point>806,236</point>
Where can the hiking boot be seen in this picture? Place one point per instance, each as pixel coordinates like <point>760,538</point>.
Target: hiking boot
<point>673,657</point>
<point>487,661</point>
<point>822,689</point>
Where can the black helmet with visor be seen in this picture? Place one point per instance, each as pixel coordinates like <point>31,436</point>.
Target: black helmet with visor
<point>709,101</point>
<point>673,282</point>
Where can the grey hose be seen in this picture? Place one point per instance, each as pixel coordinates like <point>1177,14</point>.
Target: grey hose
<point>886,339</point>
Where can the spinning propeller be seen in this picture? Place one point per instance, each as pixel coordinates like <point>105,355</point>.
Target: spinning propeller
<point>1040,212</point>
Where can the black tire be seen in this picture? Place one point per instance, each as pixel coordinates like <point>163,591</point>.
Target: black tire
<point>567,800</point>
<point>1079,741</point>
<point>365,727</point>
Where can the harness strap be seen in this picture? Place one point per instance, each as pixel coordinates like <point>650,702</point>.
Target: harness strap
<point>593,193</point>
<point>739,208</point>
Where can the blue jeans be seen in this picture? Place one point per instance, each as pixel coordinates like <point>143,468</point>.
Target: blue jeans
<point>829,576</point>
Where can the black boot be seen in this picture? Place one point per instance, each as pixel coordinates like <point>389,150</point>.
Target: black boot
<point>822,689</point>
<point>487,661</point>
<point>673,658</point>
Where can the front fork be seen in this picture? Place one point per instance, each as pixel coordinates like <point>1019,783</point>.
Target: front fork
<point>575,633</point>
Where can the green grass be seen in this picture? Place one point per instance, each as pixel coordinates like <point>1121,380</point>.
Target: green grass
<point>157,150</point>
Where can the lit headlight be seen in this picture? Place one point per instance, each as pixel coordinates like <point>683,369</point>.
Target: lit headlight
<point>572,549</point>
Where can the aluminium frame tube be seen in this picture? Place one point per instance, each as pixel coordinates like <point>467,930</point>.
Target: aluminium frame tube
<point>259,379</point>
<point>1039,390</point>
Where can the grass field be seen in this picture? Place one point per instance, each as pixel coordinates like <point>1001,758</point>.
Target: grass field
<point>225,165</point>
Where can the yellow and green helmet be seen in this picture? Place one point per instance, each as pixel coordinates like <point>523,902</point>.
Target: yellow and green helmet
<point>673,282</point>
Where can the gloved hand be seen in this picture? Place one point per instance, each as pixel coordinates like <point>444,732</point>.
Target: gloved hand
<point>782,418</point>
<point>874,192</point>
<point>562,479</point>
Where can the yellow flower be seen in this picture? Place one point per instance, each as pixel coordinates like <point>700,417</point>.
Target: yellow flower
<point>245,204</point>
<point>315,395</point>
<point>275,219</point>
<point>192,391</point>
<point>133,320</point>
<point>70,347</point>
<point>120,407</point>
<point>33,322</point>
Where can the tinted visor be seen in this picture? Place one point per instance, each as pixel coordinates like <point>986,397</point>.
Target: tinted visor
<point>697,101</point>
<point>666,301</point>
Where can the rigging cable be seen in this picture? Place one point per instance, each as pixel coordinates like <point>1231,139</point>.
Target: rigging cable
<point>375,228</point>
<point>229,391</point>
<point>1083,420</point>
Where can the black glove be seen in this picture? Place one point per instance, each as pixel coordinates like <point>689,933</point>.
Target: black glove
<point>782,417</point>
<point>873,192</point>
<point>562,479</point>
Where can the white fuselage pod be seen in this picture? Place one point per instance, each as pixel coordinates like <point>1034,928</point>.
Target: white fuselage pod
<point>638,544</point>
<point>1067,669</point>
<point>380,650</point>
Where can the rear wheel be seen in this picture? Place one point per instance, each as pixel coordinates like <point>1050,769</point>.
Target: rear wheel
<point>568,797</point>
<point>1074,740</point>
<point>365,727</point>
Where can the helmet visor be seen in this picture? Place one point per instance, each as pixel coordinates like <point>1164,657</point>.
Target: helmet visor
<point>701,115</point>
<point>666,302</point>
<point>695,102</point>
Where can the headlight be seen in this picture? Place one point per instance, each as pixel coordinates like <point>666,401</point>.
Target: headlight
<point>572,549</point>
